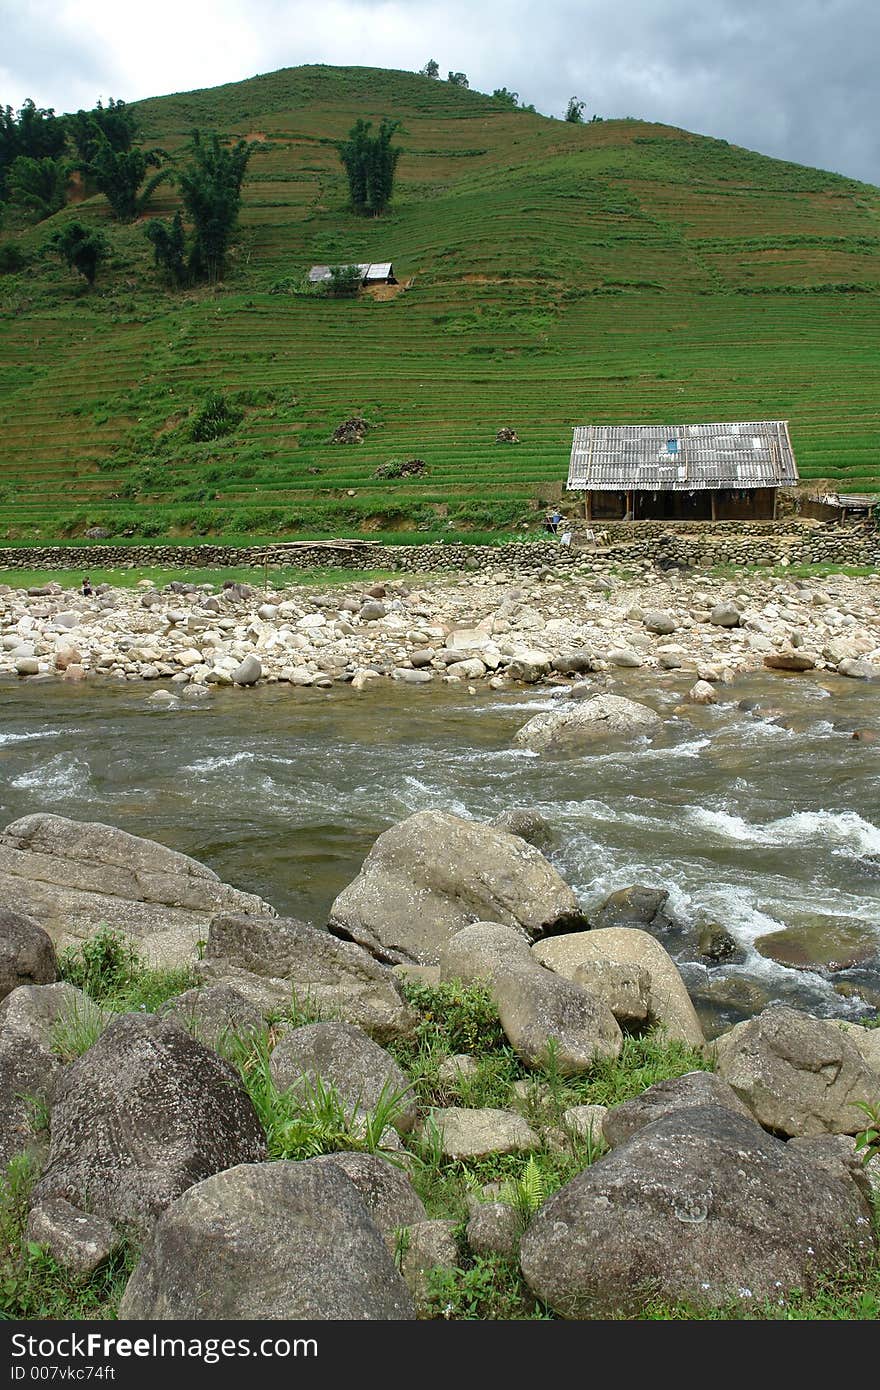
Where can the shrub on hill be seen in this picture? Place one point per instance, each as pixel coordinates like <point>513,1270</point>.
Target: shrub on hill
<point>38,185</point>
<point>83,248</point>
<point>216,417</point>
<point>370,162</point>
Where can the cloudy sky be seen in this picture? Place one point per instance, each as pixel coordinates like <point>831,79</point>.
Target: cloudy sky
<point>793,78</point>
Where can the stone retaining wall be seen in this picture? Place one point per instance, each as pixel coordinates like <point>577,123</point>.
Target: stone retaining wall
<point>689,546</point>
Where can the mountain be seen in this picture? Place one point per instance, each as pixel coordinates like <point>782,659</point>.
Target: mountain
<point>550,275</point>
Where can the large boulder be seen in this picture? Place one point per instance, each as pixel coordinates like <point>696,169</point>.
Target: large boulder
<point>341,1055</point>
<point>270,960</point>
<point>215,1014</point>
<point>384,1189</point>
<point>534,1005</point>
<point>29,1063</point>
<point>432,874</point>
<point>272,1241</point>
<point>686,1092</point>
<point>73,877</point>
<point>142,1115</point>
<point>27,956</point>
<point>577,725</point>
<point>797,1074</point>
<point>669,1004</point>
<point>636,906</point>
<point>472,1133</point>
<point>701,1206</point>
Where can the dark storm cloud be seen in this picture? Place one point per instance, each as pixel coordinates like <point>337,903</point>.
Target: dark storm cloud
<point>792,78</point>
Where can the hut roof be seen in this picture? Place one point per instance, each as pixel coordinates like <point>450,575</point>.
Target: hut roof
<point>370,271</point>
<point>682,458</point>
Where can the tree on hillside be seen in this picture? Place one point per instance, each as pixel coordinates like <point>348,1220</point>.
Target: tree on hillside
<point>32,132</point>
<point>211,191</point>
<point>458,79</point>
<point>370,162</point>
<point>118,174</point>
<point>345,281</point>
<point>169,247</point>
<point>575,111</point>
<point>38,185</point>
<point>506,98</point>
<point>431,68</point>
<point>114,124</point>
<point>83,248</point>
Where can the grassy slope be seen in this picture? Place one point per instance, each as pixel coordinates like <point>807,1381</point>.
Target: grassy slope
<point>561,274</point>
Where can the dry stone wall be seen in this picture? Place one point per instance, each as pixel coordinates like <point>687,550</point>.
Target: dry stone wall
<point>689,545</point>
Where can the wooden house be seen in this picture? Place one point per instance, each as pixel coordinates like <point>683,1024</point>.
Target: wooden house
<point>682,472</point>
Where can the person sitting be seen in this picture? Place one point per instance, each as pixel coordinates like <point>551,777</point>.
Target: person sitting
<point>87,590</point>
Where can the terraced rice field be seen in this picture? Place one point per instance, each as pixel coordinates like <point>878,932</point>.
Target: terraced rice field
<point>556,275</point>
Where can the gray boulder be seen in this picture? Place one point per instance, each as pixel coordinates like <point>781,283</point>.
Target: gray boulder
<point>577,725</point>
<point>27,956</point>
<point>686,1092</point>
<point>384,1189</point>
<point>662,623</point>
<point>341,1055</point>
<point>798,1075</point>
<point>636,906</point>
<point>725,615</point>
<point>534,1005</point>
<point>494,1228</point>
<point>140,1117</point>
<point>272,1241</point>
<point>625,989</point>
<point>469,1134</point>
<point>432,874</point>
<point>429,1246</point>
<point>529,824</point>
<point>214,1015</point>
<point>669,1004</point>
<point>73,877</point>
<point>29,1064</point>
<point>248,672</point>
<point>268,960</point>
<point>701,1206</point>
<point>78,1240</point>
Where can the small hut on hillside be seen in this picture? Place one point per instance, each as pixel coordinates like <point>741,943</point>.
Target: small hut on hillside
<point>372,273</point>
<point>682,472</point>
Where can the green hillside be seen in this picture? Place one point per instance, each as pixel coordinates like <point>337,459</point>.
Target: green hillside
<point>560,274</point>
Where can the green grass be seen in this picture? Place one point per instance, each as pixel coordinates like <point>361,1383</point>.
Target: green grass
<point>278,576</point>
<point>313,1120</point>
<point>32,1284</point>
<point>561,274</point>
<point>108,969</point>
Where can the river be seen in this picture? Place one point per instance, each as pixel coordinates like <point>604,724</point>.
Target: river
<point>757,813</point>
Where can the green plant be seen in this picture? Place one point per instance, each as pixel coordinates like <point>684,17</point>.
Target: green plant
<point>490,1288</point>
<point>868,1139</point>
<point>39,185</point>
<point>527,1192</point>
<point>370,162</point>
<point>311,1118</point>
<point>345,281</point>
<point>100,966</point>
<point>32,1284</point>
<point>210,187</point>
<point>83,248</point>
<point>215,418</point>
<point>75,1031</point>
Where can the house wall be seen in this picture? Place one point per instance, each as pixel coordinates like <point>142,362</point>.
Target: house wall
<point>755,504</point>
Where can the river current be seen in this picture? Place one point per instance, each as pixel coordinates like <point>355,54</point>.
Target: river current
<point>757,813</point>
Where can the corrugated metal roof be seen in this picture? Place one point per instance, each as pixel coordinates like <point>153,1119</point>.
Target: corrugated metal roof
<point>682,458</point>
<point>378,270</point>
